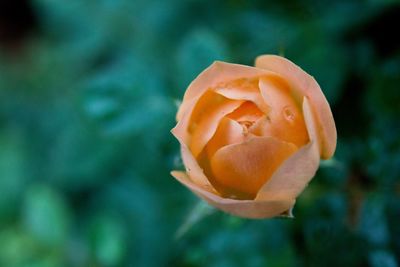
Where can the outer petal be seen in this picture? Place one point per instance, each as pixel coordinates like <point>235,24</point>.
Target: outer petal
<point>210,77</point>
<point>192,167</point>
<point>243,168</point>
<point>265,208</point>
<point>306,85</point>
<point>194,171</point>
<point>180,131</point>
<point>294,174</point>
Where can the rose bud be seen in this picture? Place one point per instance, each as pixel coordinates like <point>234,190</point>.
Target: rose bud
<point>252,137</point>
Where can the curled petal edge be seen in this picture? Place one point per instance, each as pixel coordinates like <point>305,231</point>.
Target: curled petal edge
<point>194,170</point>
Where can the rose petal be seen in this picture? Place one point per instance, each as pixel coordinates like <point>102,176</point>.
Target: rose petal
<point>216,73</point>
<point>243,168</point>
<point>203,121</point>
<point>243,89</point>
<point>306,85</point>
<point>285,120</point>
<point>228,132</point>
<point>180,131</point>
<point>193,169</point>
<point>206,116</point>
<point>293,175</point>
<point>265,208</point>
<point>247,112</point>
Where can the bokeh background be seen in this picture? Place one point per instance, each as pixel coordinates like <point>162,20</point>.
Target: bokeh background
<point>88,94</point>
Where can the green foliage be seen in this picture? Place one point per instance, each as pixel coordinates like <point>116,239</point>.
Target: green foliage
<point>87,100</point>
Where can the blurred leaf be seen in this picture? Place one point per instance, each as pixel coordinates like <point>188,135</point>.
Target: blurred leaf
<point>108,241</point>
<point>16,247</point>
<point>46,215</point>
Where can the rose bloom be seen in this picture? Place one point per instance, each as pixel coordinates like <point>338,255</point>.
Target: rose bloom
<point>252,137</point>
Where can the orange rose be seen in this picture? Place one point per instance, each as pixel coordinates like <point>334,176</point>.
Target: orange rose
<point>252,137</point>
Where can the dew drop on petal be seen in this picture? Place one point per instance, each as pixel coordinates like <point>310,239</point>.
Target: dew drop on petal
<point>288,114</point>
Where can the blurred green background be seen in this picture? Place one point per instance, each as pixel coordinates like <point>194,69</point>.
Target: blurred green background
<point>88,93</point>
